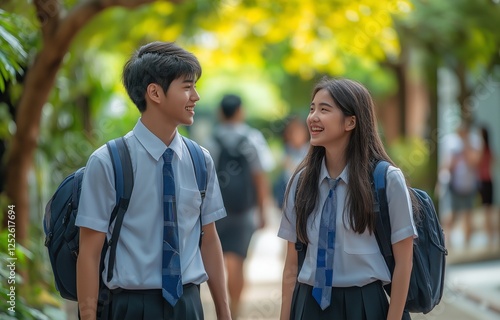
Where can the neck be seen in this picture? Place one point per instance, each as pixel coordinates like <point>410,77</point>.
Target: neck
<point>335,159</point>
<point>158,127</point>
<point>232,120</point>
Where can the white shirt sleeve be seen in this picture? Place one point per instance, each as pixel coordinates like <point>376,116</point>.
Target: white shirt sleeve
<point>400,207</point>
<point>97,197</point>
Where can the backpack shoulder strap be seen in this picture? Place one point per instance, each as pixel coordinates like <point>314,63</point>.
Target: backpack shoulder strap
<point>122,166</point>
<point>200,166</point>
<point>244,138</point>
<point>200,170</point>
<point>124,183</point>
<point>300,247</point>
<point>383,224</point>
<point>76,199</point>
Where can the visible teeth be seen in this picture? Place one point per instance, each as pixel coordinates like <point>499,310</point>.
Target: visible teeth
<point>189,108</point>
<point>316,129</point>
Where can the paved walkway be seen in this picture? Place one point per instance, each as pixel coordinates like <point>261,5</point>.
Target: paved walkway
<point>472,289</point>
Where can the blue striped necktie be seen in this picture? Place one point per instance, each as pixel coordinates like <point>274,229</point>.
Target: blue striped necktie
<point>322,290</point>
<point>171,262</point>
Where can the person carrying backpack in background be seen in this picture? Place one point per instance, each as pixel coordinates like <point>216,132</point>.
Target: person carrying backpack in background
<point>243,158</point>
<point>329,205</point>
<point>161,228</point>
<point>462,164</point>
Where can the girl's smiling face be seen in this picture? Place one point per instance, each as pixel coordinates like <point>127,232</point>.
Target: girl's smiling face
<point>326,122</point>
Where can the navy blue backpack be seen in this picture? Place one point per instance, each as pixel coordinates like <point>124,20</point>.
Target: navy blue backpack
<point>429,252</point>
<point>235,176</point>
<point>62,236</point>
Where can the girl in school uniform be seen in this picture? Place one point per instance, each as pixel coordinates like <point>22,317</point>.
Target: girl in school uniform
<point>329,207</point>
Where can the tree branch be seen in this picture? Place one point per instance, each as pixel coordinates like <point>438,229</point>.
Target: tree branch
<point>48,13</point>
<point>82,13</point>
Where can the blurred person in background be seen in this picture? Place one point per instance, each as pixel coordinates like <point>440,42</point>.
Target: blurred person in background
<point>462,165</point>
<point>486,188</point>
<point>296,143</point>
<point>243,159</point>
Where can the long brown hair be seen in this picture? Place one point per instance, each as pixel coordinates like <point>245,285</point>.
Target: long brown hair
<point>363,150</point>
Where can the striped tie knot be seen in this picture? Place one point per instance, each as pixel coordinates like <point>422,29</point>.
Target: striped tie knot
<point>168,155</point>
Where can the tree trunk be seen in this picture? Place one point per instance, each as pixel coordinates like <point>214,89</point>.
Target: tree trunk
<point>39,81</point>
<point>401,71</point>
<point>432,82</point>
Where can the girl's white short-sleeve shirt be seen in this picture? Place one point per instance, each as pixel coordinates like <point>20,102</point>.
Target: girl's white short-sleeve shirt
<point>357,257</point>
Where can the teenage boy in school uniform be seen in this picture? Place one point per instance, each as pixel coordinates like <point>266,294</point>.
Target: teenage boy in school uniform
<point>160,79</point>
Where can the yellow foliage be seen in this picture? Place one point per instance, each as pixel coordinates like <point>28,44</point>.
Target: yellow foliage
<point>172,32</point>
<point>319,35</point>
<point>163,7</point>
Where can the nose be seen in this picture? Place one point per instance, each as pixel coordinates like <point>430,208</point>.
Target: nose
<point>312,117</point>
<point>195,96</point>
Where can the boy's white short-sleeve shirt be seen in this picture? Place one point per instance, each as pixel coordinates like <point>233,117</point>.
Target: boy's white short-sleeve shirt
<point>139,252</point>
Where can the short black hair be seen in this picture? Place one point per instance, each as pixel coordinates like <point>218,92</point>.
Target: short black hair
<point>229,104</point>
<point>157,62</point>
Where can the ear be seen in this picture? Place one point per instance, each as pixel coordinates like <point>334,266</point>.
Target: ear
<point>153,92</point>
<point>350,123</point>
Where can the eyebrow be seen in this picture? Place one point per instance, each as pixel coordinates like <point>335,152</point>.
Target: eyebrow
<point>322,104</point>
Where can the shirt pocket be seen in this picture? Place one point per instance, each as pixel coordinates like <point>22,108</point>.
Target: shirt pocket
<point>355,243</point>
<point>188,202</point>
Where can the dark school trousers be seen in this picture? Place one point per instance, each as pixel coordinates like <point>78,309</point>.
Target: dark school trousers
<point>150,305</point>
<point>350,303</point>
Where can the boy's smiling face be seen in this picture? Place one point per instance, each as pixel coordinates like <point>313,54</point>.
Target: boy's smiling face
<point>178,104</point>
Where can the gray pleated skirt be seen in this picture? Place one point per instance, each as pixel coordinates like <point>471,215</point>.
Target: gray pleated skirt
<point>350,303</point>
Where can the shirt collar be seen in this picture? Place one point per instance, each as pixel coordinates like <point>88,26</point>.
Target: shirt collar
<point>153,145</point>
<point>324,173</point>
